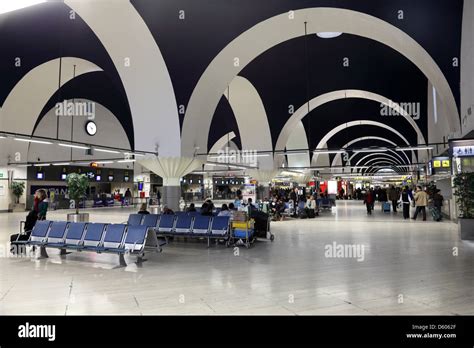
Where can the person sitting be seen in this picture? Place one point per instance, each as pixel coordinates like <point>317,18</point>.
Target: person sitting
<point>167,211</point>
<point>225,211</point>
<point>232,206</point>
<point>143,209</point>
<point>42,205</point>
<point>207,208</point>
<point>191,208</point>
<point>311,206</point>
<point>40,208</point>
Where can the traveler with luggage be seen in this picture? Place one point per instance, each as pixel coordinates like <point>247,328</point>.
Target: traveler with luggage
<point>40,208</point>
<point>405,200</point>
<point>421,201</point>
<point>393,197</point>
<point>437,205</point>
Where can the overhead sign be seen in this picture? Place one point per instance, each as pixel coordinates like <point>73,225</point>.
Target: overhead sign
<point>463,151</point>
<point>439,165</point>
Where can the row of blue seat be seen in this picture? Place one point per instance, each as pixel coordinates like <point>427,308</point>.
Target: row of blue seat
<point>200,225</point>
<point>96,237</point>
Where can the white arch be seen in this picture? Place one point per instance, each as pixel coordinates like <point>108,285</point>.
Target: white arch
<point>302,111</point>
<point>297,141</point>
<point>337,158</point>
<point>142,70</point>
<point>24,103</point>
<point>280,28</point>
<point>332,132</point>
<point>223,141</point>
<point>378,154</point>
<point>251,119</point>
<point>378,160</point>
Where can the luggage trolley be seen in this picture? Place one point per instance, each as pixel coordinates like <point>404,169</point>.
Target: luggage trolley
<point>262,227</point>
<point>243,229</point>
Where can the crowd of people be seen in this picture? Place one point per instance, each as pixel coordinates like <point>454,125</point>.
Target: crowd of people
<point>403,198</point>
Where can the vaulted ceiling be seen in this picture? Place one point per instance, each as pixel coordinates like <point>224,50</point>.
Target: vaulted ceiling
<point>285,76</point>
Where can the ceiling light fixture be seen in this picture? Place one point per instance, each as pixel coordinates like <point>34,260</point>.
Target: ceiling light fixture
<point>33,141</point>
<point>328,151</point>
<point>410,148</point>
<point>328,34</point>
<point>75,146</point>
<point>107,151</point>
<point>62,164</point>
<point>126,161</point>
<point>371,150</point>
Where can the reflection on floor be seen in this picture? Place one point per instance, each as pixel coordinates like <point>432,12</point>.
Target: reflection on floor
<point>408,267</point>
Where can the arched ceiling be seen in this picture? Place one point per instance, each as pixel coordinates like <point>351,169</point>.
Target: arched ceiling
<point>288,74</point>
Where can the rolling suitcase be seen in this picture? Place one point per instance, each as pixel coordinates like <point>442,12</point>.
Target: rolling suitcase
<point>386,207</point>
<point>435,214</point>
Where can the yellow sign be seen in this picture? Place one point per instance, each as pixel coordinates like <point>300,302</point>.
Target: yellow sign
<point>446,164</point>
<point>436,164</point>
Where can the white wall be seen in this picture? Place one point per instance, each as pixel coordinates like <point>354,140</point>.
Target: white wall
<point>19,174</point>
<point>467,67</point>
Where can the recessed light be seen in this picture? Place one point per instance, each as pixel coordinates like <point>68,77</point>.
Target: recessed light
<point>328,34</point>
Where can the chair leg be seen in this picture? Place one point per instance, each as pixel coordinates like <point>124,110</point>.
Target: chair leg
<point>63,252</point>
<point>43,253</point>
<point>122,262</point>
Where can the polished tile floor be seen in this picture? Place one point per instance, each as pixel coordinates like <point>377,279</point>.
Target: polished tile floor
<point>408,267</point>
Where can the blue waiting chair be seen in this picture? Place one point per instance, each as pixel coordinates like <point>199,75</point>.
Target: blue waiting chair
<point>220,226</point>
<point>135,219</point>
<point>38,234</point>
<point>183,224</point>
<point>57,232</point>
<point>93,237</point>
<point>166,224</point>
<point>151,220</point>
<point>113,237</point>
<point>74,234</point>
<point>201,225</point>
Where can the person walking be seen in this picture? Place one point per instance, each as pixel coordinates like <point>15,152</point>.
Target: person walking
<point>369,201</point>
<point>405,200</point>
<point>421,201</point>
<point>393,197</point>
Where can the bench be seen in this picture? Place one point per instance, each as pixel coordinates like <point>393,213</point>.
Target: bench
<point>194,226</point>
<point>118,239</point>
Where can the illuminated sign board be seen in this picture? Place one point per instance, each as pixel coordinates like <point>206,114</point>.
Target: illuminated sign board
<point>440,165</point>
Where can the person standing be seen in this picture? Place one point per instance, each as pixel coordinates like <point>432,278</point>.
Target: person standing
<point>369,201</point>
<point>421,201</point>
<point>128,197</point>
<point>393,197</point>
<point>405,200</point>
<point>158,197</point>
<point>438,203</point>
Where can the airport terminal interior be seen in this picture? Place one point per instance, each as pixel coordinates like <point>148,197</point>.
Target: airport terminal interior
<point>221,157</point>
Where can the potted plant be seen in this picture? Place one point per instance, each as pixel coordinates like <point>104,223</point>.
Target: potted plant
<point>464,193</point>
<point>77,185</point>
<point>17,188</point>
